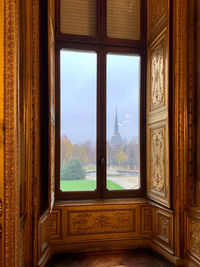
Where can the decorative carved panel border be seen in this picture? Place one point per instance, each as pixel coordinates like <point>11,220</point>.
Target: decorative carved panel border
<point>158,66</point>
<point>90,222</point>
<point>158,13</point>
<point>77,223</point>
<point>158,183</point>
<point>164,229</point>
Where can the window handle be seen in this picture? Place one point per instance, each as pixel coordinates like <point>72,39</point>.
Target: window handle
<point>102,161</point>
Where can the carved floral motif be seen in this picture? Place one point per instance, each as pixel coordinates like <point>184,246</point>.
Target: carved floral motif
<point>194,234</point>
<point>157,160</point>
<point>92,222</point>
<point>157,77</point>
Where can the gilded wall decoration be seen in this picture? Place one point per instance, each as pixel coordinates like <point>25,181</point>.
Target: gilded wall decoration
<point>98,222</point>
<point>194,238</point>
<point>158,160</point>
<point>157,77</point>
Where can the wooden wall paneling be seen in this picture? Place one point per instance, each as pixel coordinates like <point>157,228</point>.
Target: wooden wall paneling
<point>180,123</point>
<point>158,15</point>
<point>9,125</point>
<point>193,239</point>
<point>146,217</point>
<point>158,186</point>
<point>73,225</point>
<point>43,239</point>
<point>192,244</point>
<point>1,130</point>
<point>196,58</point>
<point>164,229</point>
<point>55,226</point>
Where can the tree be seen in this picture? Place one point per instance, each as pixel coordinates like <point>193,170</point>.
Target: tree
<point>73,170</point>
<point>66,150</point>
<point>120,157</point>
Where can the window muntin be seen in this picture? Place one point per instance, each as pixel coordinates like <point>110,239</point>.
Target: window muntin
<point>78,76</point>
<point>123,86</point>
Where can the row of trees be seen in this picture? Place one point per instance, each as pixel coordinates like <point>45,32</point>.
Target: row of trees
<point>126,154</point>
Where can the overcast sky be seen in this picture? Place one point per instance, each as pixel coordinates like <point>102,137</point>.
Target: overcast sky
<point>78,95</point>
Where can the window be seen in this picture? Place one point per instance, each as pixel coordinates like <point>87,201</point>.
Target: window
<point>100,99</point>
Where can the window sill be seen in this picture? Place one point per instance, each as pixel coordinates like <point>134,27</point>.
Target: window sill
<point>96,202</point>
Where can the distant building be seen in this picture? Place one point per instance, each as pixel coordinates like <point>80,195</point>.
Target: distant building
<point>116,139</point>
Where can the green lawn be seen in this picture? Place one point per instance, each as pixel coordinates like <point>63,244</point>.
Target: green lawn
<point>85,185</point>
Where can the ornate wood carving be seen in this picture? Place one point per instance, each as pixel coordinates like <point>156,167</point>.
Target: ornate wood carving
<point>157,77</point>
<point>158,65</point>
<point>164,229</point>
<point>101,222</point>
<point>194,238</point>
<point>158,164</point>
<point>1,208</point>
<point>11,189</point>
<point>146,219</point>
<point>55,224</point>
<point>158,160</point>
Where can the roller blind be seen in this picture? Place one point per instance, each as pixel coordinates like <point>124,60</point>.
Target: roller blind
<point>123,19</point>
<point>78,17</point>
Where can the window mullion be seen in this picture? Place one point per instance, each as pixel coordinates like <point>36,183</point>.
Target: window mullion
<point>101,123</point>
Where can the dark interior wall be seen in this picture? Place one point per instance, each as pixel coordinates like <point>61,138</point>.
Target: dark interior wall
<point>44,104</point>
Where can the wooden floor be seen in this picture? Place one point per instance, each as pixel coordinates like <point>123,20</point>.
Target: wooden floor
<point>138,258</point>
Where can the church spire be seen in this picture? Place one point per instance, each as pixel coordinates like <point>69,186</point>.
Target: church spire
<point>116,139</point>
<point>116,128</point>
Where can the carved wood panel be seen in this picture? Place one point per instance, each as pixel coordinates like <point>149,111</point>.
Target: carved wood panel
<point>158,12</point>
<point>101,222</point>
<point>55,224</point>
<point>158,162</point>
<point>43,235</point>
<point>146,219</point>
<point>157,93</point>
<point>193,238</point>
<point>164,229</point>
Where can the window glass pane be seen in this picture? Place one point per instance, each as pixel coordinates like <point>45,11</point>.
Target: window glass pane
<point>123,76</point>
<point>123,19</point>
<point>78,120</point>
<point>78,17</point>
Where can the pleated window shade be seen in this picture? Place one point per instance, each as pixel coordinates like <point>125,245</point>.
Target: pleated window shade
<point>78,17</point>
<point>123,19</point>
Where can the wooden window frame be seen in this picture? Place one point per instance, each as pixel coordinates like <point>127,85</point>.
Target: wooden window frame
<point>102,46</point>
